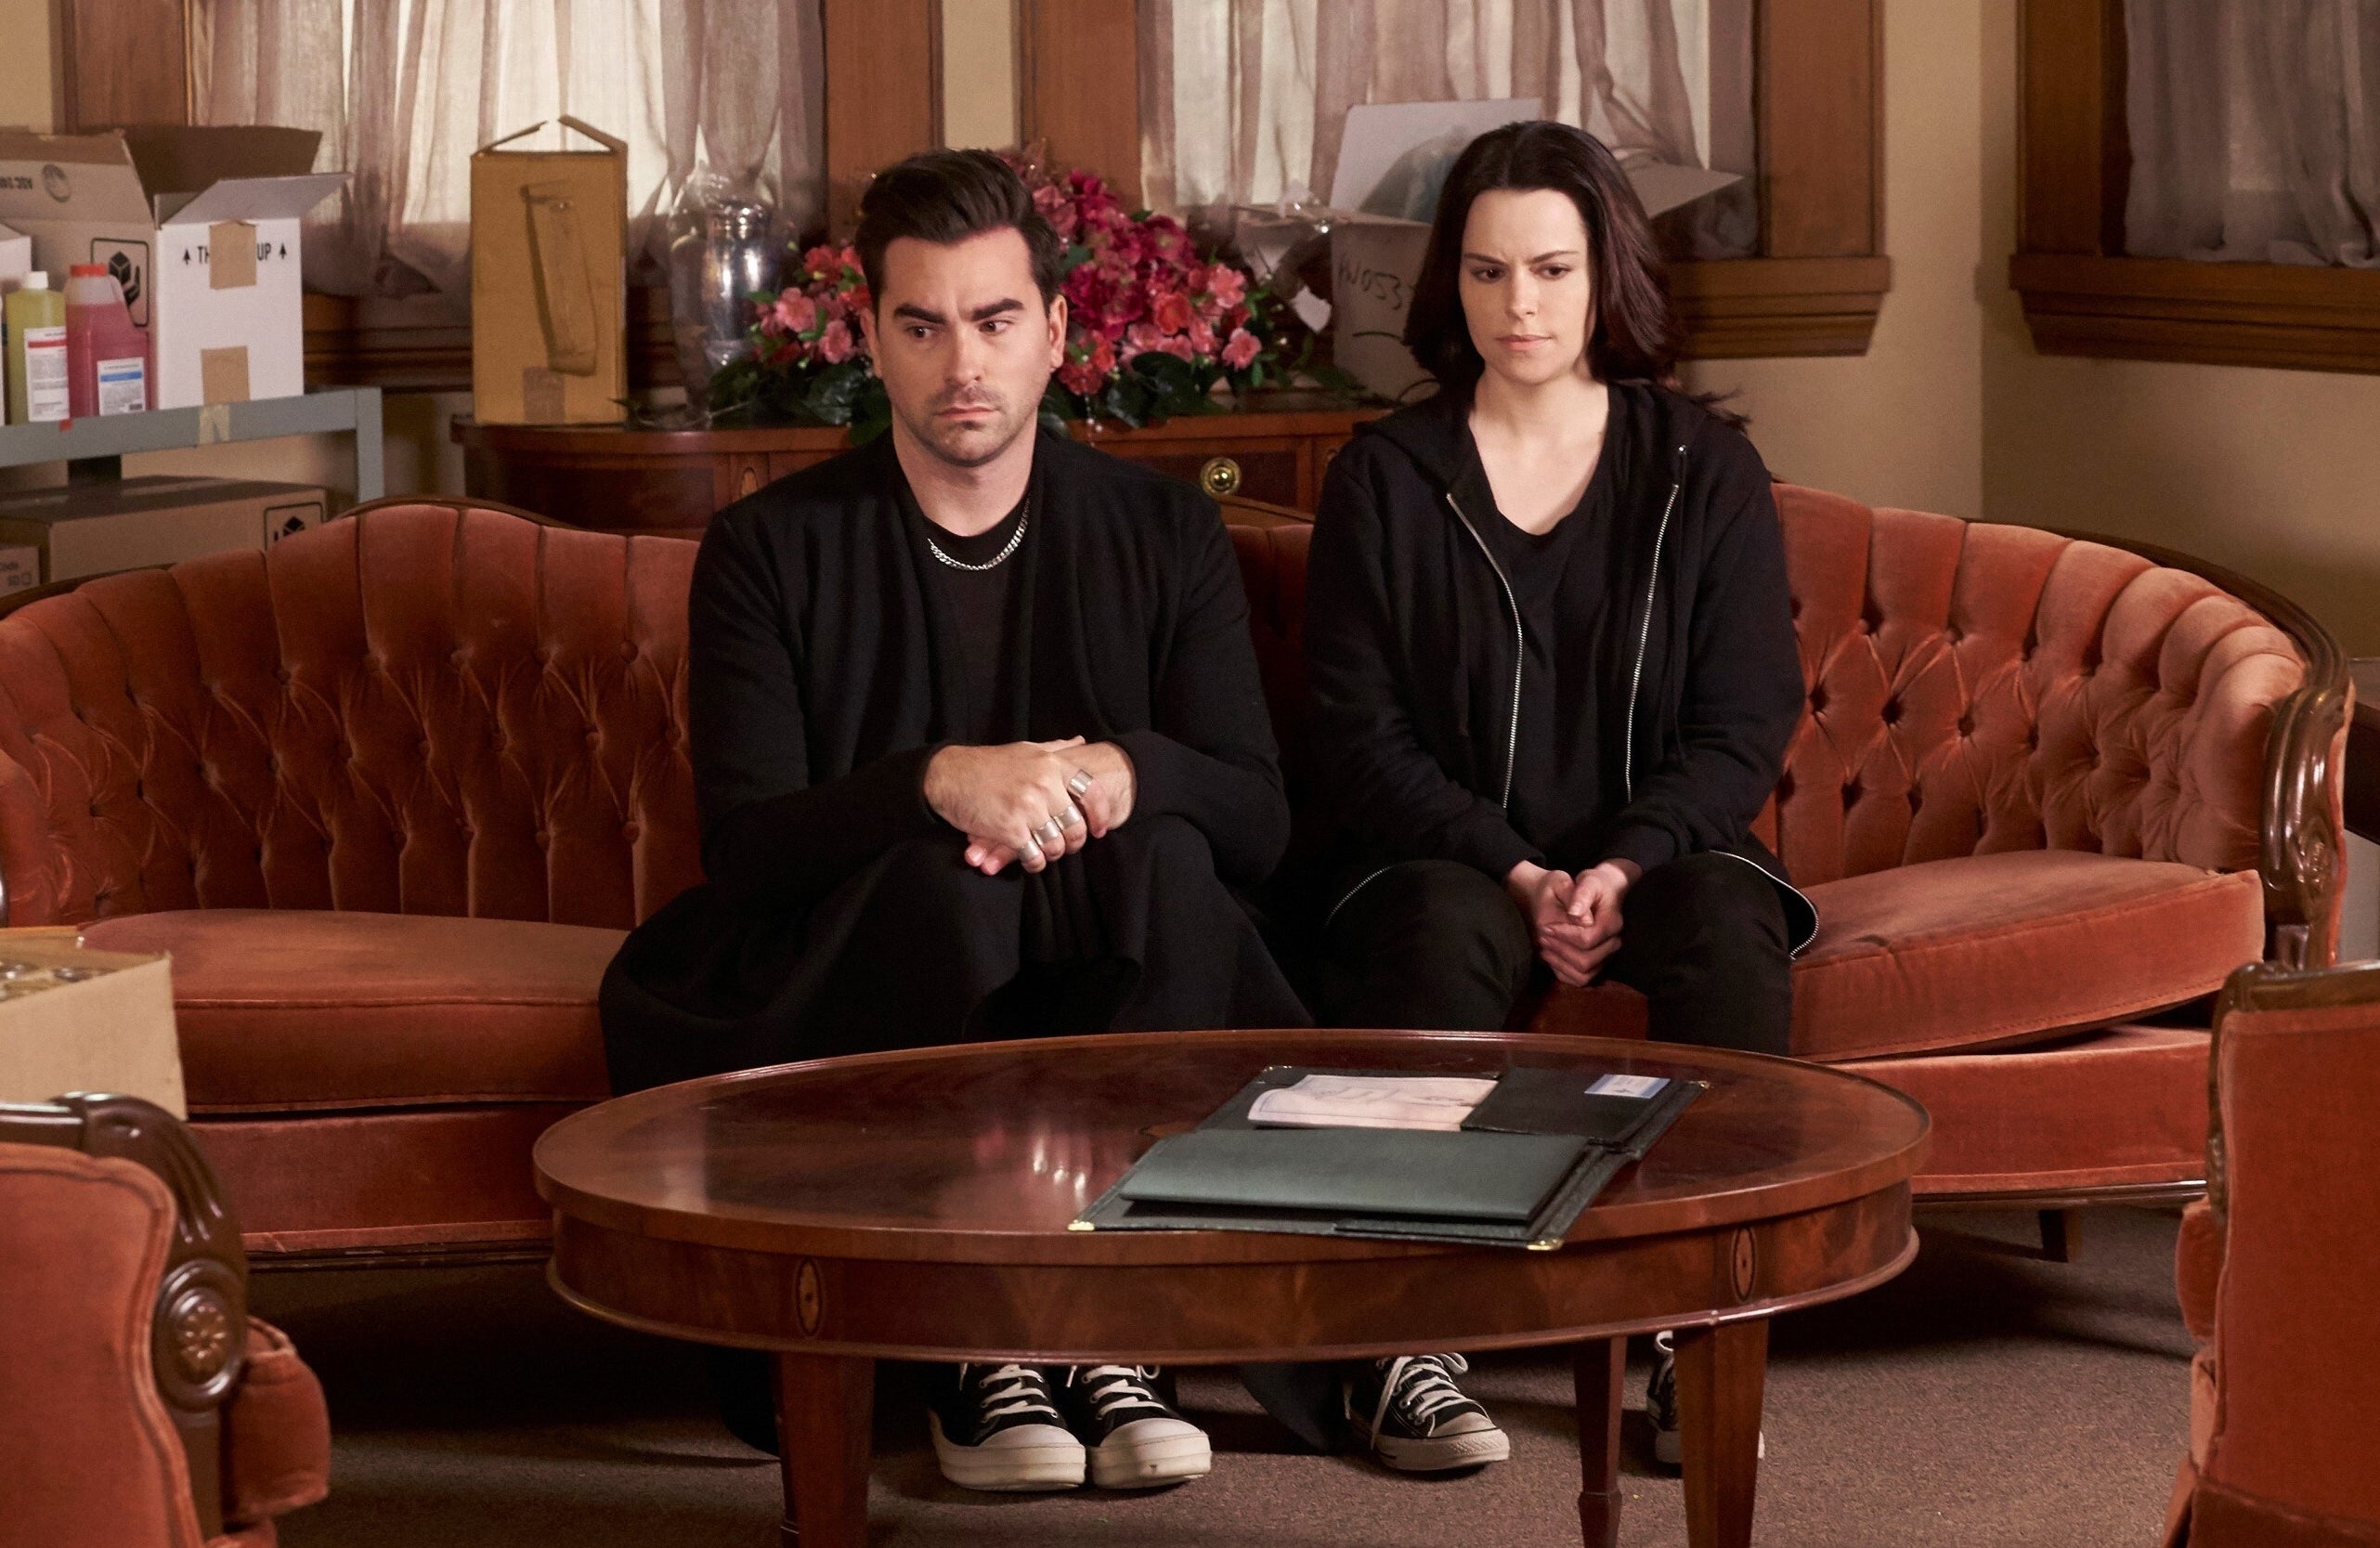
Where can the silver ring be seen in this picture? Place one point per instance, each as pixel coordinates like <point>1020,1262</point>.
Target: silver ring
<point>1078,783</point>
<point>1069,817</point>
<point>1051,832</point>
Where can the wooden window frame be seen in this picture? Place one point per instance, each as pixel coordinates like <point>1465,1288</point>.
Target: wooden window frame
<point>2083,296</point>
<point>1815,289</point>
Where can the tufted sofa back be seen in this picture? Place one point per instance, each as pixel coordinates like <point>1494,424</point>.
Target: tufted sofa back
<point>421,709</point>
<point>432,709</point>
<point>1973,687</point>
<point>1976,687</point>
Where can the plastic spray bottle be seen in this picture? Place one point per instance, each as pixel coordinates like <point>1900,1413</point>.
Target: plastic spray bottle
<point>36,321</point>
<point>106,356</point>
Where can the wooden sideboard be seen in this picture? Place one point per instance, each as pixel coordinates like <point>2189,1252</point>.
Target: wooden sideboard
<point>620,480</point>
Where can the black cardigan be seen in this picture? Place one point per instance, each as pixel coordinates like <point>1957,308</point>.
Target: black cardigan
<point>820,677</point>
<point>821,681</point>
<point>1411,654</point>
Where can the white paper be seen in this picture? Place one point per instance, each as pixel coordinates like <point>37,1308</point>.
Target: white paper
<point>1374,1101</point>
<point>1628,1086</point>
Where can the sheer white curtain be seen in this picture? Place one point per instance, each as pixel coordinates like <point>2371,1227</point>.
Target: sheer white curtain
<point>1243,101</point>
<point>405,90</point>
<point>2255,127</point>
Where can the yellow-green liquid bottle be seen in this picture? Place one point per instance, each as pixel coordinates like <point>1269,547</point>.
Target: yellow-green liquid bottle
<point>35,319</point>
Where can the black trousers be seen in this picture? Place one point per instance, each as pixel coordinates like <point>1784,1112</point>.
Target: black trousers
<point>1438,945</point>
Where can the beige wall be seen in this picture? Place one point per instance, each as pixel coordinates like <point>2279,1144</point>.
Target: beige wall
<point>1902,424</point>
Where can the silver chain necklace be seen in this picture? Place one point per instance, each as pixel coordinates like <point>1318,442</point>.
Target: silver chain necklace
<point>992,562</point>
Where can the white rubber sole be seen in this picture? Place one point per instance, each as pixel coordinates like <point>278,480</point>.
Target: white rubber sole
<point>1027,1468</point>
<point>1439,1453</point>
<point>1153,1464</point>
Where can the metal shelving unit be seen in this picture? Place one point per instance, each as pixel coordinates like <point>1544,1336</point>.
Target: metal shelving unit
<point>94,448</point>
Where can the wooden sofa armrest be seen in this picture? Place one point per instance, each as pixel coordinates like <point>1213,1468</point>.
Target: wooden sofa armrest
<point>198,1336</point>
<point>2302,844</point>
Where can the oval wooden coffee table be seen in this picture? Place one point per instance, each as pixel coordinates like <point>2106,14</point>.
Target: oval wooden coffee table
<point>913,1205</point>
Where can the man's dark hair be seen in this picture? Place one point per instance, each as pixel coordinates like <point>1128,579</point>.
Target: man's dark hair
<point>1634,335</point>
<point>945,197</point>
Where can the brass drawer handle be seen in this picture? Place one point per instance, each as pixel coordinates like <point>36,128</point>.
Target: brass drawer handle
<point>1219,476</point>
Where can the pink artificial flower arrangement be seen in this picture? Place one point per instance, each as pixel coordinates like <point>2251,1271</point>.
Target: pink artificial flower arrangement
<point>1153,328</point>
<point>1138,293</point>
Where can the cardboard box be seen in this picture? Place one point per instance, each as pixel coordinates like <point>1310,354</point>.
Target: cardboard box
<point>96,528</point>
<point>200,227</point>
<point>19,568</point>
<point>549,282</point>
<point>75,1020</point>
<point>16,258</point>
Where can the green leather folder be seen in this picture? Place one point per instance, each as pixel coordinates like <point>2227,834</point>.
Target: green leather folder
<point>1479,1186</point>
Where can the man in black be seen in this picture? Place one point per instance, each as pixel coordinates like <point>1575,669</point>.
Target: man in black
<point>981,752</point>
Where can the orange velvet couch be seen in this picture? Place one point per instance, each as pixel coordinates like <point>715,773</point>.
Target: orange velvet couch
<point>2276,1267</point>
<point>390,793</point>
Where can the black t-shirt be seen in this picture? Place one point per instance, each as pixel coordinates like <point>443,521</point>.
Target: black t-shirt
<point>1562,581</point>
<point>985,607</point>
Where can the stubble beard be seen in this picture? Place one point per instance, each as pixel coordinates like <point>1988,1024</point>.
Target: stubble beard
<point>967,445</point>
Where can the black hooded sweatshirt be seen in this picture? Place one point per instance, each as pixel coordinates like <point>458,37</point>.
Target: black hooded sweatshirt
<point>1417,658</point>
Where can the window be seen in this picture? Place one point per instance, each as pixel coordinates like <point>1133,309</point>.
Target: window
<point>1812,275</point>
<point>1246,99</point>
<point>405,90</point>
<point>2201,182</point>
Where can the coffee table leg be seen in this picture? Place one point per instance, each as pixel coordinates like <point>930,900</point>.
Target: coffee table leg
<point>826,1414</point>
<point>1721,1373</point>
<point>1598,1366</point>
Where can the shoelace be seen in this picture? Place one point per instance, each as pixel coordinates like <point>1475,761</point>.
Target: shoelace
<point>1114,1386</point>
<point>1423,1383</point>
<point>1009,1389</point>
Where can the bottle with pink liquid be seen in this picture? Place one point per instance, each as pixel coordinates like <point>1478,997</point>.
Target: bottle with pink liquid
<point>107,356</point>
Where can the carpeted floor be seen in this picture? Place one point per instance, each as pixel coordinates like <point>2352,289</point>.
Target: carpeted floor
<point>1986,1396</point>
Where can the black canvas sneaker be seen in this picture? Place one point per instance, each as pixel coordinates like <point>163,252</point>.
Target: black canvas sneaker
<point>1416,1420</point>
<point>996,1428</point>
<point>1135,1438</point>
<point>1661,1405</point>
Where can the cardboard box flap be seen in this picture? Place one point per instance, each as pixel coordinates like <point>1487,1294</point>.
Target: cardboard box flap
<point>258,199</point>
<point>62,178</point>
<point>614,146</point>
<point>174,159</point>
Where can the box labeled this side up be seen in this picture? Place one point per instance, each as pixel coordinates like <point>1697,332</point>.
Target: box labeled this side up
<point>200,228</point>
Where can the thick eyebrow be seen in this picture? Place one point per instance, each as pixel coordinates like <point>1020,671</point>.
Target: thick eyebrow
<point>980,314</point>
<point>1486,258</point>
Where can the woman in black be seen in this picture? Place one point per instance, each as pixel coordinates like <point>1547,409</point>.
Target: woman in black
<point>1550,644</point>
<point>1551,650</point>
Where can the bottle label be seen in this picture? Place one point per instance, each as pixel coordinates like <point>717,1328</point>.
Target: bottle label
<point>46,398</point>
<point>123,386</point>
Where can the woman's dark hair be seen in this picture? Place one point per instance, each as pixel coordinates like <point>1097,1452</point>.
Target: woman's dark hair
<point>1634,335</point>
<point>945,197</point>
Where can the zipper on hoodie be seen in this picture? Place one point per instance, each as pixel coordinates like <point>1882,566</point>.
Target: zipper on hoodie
<point>1644,634</point>
<point>1520,643</point>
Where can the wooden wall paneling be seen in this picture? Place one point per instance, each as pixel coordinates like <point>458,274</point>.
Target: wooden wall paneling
<point>123,61</point>
<point>1821,129</point>
<point>1078,85</point>
<point>883,92</point>
<point>2072,145</point>
<point>1765,307</point>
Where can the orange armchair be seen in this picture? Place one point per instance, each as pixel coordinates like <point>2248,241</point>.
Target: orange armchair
<point>140,1407</point>
<point>2278,1269</point>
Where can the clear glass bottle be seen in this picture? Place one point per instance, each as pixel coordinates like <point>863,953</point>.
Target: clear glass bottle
<point>728,250</point>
